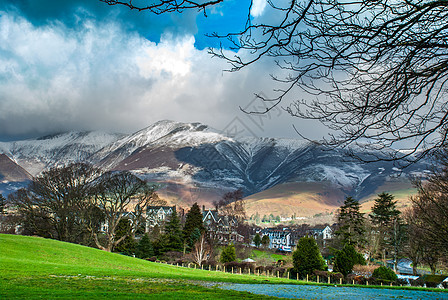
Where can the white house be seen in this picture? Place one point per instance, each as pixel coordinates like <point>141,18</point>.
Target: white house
<point>156,215</point>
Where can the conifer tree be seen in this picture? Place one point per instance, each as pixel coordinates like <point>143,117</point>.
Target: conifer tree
<point>351,228</point>
<point>228,254</point>
<point>193,220</point>
<point>385,218</point>
<point>126,246</point>
<point>144,248</point>
<point>173,234</point>
<point>265,240</point>
<point>346,258</point>
<point>2,204</point>
<point>307,257</point>
<point>257,240</point>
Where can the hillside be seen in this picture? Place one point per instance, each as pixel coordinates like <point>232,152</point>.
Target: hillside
<point>317,202</point>
<point>32,267</point>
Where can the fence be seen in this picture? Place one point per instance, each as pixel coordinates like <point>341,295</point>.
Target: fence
<point>321,277</point>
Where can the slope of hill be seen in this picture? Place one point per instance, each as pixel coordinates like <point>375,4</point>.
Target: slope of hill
<point>12,176</point>
<point>38,268</point>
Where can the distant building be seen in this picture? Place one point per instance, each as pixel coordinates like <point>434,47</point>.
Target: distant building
<point>281,239</point>
<point>322,232</point>
<point>221,228</point>
<point>157,215</point>
<point>286,239</point>
<point>104,226</point>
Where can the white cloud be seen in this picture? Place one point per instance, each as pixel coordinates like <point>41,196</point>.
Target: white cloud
<point>53,78</point>
<point>258,7</point>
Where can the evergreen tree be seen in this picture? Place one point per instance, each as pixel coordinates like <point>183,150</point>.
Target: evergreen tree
<point>257,240</point>
<point>351,228</point>
<point>194,237</point>
<point>193,220</point>
<point>385,218</point>
<point>307,257</point>
<point>265,241</point>
<point>173,234</point>
<point>144,248</point>
<point>346,258</point>
<point>126,246</point>
<point>384,210</point>
<point>228,254</point>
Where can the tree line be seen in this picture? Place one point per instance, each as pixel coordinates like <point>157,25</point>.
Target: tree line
<point>419,233</point>
<point>82,204</point>
<point>79,203</point>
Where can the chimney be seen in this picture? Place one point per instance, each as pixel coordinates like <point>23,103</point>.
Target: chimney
<point>203,207</point>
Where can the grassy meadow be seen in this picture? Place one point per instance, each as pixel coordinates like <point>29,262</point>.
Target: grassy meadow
<point>38,268</point>
<point>33,267</point>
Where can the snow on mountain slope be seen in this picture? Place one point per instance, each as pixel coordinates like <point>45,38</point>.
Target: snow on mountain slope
<point>161,134</point>
<point>195,154</point>
<point>36,155</point>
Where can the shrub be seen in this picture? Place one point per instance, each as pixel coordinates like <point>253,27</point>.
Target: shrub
<point>228,254</point>
<point>417,282</point>
<point>172,256</point>
<point>307,257</point>
<point>346,258</point>
<point>336,276</point>
<point>321,274</point>
<point>433,280</point>
<point>356,279</point>
<point>364,270</point>
<point>280,271</point>
<point>384,273</point>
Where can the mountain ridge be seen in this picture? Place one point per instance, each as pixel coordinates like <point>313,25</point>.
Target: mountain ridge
<point>192,156</point>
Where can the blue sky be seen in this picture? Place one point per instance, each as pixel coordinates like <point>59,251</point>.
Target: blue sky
<point>84,65</point>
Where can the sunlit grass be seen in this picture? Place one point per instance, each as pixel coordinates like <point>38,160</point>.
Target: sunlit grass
<point>32,267</point>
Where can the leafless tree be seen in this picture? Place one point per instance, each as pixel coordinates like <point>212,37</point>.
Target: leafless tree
<point>121,195</point>
<point>201,250</point>
<point>55,202</point>
<point>372,71</point>
<point>415,243</point>
<point>159,7</point>
<point>232,204</point>
<point>430,206</point>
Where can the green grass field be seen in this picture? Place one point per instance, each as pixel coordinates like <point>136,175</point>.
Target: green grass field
<point>38,268</point>
<point>32,267</point>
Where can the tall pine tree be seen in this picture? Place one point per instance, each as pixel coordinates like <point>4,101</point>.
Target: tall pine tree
<point>2,204</point>
<point>173,234</point>
<point>385,218</point>
<point>351,227</point>
<point>144,248</point>
<point>193,220</point>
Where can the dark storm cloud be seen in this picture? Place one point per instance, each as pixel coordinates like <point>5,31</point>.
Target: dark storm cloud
<point>72,13</point>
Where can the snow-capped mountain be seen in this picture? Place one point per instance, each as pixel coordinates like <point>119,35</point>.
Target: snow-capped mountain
<point>35,155</point>
<point>194,154</point>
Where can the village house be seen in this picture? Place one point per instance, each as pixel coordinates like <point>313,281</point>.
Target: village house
<point>279,238</point>
<point>157,215</point>
<point>286,239</point>
<point>221,228</point>
<point>322,232</point>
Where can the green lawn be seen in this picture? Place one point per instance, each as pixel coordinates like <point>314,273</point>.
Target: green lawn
<point>32,267</point>
<point>36,268</point>
<point>257,254</point>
